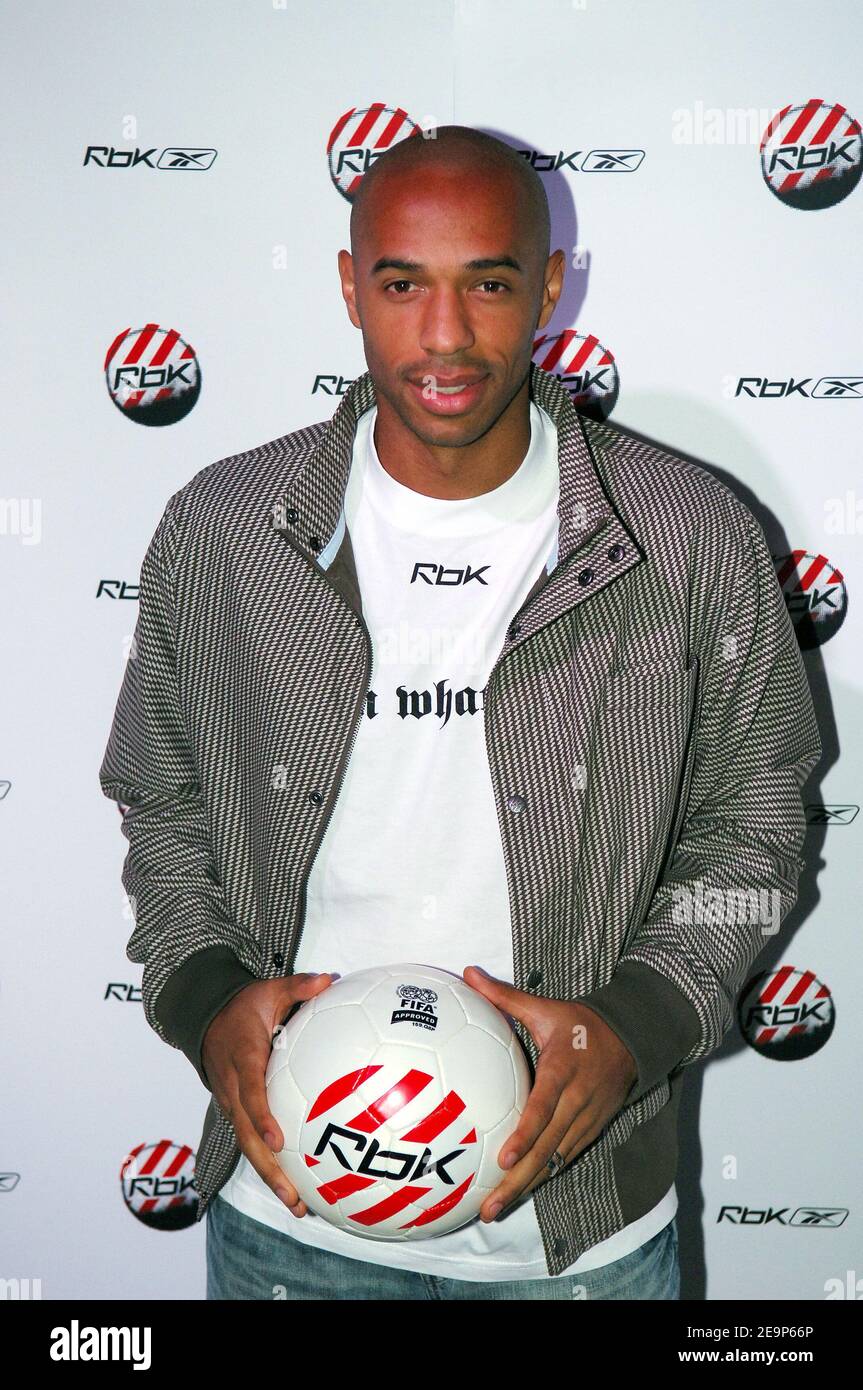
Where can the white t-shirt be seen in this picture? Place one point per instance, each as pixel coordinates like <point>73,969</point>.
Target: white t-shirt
<point>411,865</point>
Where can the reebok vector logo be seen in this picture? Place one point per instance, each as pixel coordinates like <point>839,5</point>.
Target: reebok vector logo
<point>819,814</point>
<point>176,157</point>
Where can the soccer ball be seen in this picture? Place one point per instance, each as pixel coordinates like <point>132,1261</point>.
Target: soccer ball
<point>395,1089</point>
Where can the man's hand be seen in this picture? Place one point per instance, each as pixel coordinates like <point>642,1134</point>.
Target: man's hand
<point>583,1076</point>
<point>235,1054</point>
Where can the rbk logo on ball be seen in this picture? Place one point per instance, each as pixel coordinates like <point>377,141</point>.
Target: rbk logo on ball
<point>394,1117</point>
<point>359,136</point>
<point>152,374</point>
<point>583,367</point>
<point>365,1160</point>
<point>812,155</point>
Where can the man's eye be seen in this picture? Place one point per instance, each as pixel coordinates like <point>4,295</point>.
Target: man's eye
<point>498,285</point>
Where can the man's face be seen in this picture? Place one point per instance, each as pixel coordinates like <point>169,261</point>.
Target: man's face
<point>434,321</point>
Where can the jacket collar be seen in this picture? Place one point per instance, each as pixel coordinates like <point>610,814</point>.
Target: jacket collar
<point>311,511</point>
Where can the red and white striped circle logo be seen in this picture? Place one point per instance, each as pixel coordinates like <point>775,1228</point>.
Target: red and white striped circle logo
<point>158,1182</point>
<point>812,155</point>
<point>359,136</point>
<point>815,594</point>
<point>152,375</point>
<point>584,368</point>
<point>786,1014</point>
<point>391,1162</point>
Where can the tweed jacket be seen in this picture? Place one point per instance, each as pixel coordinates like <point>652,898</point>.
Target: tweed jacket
<point>648,725</point>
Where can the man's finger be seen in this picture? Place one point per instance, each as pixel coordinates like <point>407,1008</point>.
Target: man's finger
<point>518,1179</point>
<point>266,1166</point>
<point>510,1000</point>
<point>537,1115</point>
<point>297,990</point>
<point>306,985</point>
<point>251,1067</point>
<point>576,1139</point>
<point>253,1099</point>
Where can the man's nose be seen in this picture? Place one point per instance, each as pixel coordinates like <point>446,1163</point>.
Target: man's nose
<point>446,327</point>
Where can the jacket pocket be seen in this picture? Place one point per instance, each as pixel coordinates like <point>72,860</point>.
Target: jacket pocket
<point>639,764</point>
<point>650,683</point>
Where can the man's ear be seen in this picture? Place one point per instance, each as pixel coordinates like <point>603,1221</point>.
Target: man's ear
<point>346,274</point>
<point>553,274</point>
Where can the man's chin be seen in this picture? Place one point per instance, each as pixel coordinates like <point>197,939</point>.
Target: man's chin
<point>454,432</point>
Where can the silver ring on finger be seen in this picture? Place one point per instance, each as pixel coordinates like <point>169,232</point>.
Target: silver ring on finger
<point>555,1163</point>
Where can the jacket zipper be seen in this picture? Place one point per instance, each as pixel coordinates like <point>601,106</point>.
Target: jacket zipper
<point>345,758</point>
<point>487,697</point>
<point>301,915</point>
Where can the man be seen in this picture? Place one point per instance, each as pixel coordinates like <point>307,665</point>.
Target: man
<point>462,677</point>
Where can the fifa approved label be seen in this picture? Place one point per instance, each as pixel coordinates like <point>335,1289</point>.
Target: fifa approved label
<point>417,1007</point>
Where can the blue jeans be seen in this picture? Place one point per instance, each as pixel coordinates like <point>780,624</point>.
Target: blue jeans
<point>248,1260</point>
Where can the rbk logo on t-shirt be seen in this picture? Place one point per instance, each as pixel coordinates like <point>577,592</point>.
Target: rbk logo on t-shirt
<point>431,573</point>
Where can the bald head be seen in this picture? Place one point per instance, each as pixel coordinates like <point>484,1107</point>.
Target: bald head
<point>449,273</point>
<point>462,152</point>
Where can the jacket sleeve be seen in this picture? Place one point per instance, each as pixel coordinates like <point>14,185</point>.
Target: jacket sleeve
<point>195,957</point>
<point>672,996</point>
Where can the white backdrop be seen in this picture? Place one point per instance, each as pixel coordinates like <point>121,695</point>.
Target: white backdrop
<point>684,264</point>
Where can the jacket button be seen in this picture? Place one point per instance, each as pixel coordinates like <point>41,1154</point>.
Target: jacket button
<point>515,803</point>
<point>585,576</point>
<point>534,977</point>
<point>291,514</point>
<point>514,630</point>
<point>616,552</point>
<point>316,797</point>
<point>315,543</point>
<point>278,960</point>
<point>560,1246</point>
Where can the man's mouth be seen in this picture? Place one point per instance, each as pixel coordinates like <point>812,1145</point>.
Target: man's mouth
<point>448,395</point>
